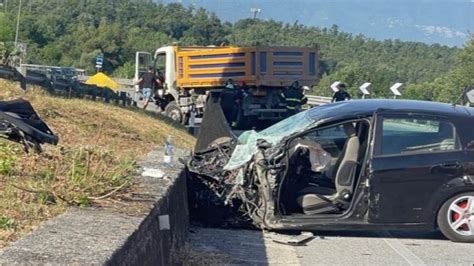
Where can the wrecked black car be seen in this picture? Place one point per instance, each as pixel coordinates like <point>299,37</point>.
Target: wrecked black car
<point>20,123</point>
<point>361,164</point>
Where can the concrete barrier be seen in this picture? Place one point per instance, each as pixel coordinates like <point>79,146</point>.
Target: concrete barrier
<point>162,233</point>
<point>149,229</point>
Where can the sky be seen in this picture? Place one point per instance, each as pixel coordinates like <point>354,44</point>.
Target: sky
<point>447,22</point>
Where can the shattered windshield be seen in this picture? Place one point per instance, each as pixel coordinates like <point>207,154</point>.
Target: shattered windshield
<point>247,142</point>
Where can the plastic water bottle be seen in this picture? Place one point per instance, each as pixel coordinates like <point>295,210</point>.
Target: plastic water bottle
<point>169,150</point>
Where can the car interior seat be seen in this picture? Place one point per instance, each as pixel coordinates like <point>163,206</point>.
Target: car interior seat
<point>322,200</point>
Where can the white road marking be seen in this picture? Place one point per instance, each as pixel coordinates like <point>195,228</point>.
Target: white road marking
<point>401,250</point>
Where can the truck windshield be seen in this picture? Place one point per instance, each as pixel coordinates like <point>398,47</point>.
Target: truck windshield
<point>160,62</point>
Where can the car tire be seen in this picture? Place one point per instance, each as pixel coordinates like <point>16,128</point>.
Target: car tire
<point>456,218</point>
<point>173,111</point>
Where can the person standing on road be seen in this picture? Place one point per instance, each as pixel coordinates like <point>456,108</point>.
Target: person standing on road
<point>148,81</point>
<point>294,98</point>
<point>341,94</point>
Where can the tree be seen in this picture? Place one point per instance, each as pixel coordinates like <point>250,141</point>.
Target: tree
<point>6,28</point>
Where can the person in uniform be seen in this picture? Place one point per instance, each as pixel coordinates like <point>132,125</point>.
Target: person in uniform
<point>341,94</point>
<point>294,98</point>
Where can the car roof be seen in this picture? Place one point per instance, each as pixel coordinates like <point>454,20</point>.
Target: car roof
<point>364,108</point>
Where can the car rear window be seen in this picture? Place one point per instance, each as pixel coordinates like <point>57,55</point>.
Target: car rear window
<point>417,135</point>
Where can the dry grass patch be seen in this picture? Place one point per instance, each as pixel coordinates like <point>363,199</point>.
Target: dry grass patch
<point>94,161</point>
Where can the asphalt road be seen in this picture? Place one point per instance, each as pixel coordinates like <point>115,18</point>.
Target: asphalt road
<point>220,246</point>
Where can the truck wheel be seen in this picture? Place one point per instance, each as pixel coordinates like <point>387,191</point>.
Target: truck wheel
<point>456,218</point>
<point>173,111</point>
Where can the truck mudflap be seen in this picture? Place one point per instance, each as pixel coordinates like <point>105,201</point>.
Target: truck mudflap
<point>20,123</point>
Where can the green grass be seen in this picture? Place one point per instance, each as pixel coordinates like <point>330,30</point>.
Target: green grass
<point>6,223</point>
<point>8,158</point>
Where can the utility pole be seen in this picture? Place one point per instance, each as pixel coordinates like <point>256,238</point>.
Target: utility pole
<point>17,24</point>
<point>255,11</point>
<point>3,4</point>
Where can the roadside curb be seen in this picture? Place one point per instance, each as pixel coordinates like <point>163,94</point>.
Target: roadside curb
<point>163,232</point>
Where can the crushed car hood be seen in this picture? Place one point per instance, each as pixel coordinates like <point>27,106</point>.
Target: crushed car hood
<point>247,142</point>
<point>228,172</point>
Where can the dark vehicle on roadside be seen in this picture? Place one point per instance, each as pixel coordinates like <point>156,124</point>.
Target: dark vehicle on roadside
<point>361,164</point>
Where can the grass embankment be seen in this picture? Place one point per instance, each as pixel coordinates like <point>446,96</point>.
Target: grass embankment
<point>93,164</point>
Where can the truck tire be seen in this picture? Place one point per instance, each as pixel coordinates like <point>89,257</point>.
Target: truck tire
<point>456,218</point>
<point>173,111</point>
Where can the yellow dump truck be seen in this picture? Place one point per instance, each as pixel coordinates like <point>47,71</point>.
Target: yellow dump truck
<point>191,72</point>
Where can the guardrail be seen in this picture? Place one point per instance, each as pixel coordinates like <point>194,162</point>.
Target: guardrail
<point>7,72</point>
<point>68,87</point>
<point>314,100</point>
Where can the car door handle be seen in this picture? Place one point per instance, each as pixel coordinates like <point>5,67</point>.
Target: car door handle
<point>451,166</point>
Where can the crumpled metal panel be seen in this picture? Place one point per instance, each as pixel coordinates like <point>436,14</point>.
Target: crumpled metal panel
<point>247,142</point>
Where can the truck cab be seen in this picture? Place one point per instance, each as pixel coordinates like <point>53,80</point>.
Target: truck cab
<point>167,97</point>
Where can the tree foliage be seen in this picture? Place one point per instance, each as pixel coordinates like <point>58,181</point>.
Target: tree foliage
<point>74,32</point>
<point>449,87</point>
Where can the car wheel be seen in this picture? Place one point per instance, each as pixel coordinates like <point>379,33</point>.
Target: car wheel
<point>456,218</point>
<point>173,111</point>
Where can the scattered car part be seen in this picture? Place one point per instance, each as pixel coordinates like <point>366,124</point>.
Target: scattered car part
<point>20,123</point>
<point>293,240</point>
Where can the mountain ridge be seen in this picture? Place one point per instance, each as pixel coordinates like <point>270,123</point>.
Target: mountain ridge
<point>447,22</point>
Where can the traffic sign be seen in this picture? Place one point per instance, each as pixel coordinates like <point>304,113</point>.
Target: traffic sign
<point>470,96</point>
<point>365,88</point>
<point>335,86</point>
<point>99,61</point>
<point>396,89</point>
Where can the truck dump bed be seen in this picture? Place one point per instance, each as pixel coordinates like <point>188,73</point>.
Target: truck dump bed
<point>204,67</point>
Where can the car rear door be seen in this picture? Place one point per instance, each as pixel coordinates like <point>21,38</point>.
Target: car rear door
<point>413,156</point>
